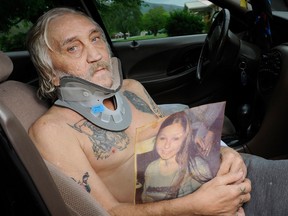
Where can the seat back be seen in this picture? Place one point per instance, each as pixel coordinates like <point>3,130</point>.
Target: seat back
<point>19,108</point>
<point>21,99</point>
<point>31,164</point>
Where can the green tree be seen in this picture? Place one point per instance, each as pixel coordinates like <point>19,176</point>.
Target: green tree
<point>182,22</point>
<point>122,16</point>
<point>105,11</point>
<point>155,19</point>
<point>13,12</point>
<point>16,17</point>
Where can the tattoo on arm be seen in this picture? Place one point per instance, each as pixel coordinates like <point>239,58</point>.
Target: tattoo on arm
<point>104,143</point>
<point>155,107</point>
<point>84,182</point>
<point>141,105</point>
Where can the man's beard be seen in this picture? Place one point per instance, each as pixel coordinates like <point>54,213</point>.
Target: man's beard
<point>88,76</point>
<point>93,70</point>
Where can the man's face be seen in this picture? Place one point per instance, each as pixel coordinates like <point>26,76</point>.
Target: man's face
<point>79,50</point>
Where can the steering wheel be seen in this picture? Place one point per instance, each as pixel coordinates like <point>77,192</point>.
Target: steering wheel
<point>213,47</point>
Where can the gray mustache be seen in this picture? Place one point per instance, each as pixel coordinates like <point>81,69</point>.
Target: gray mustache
<point>97,65</point>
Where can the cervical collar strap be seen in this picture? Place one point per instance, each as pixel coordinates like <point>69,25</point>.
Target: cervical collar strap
<point>87,99</point>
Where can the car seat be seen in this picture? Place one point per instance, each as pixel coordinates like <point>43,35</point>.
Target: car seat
<point>19,108</point>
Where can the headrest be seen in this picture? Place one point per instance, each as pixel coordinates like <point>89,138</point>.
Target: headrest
<point>6,66</point>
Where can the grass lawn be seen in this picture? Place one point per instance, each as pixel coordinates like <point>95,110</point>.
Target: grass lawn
<point>145,37</point>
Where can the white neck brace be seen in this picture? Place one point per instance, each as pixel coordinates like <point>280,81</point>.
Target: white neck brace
<point>87,98</point>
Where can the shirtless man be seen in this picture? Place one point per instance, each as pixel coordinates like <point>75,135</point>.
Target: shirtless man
<point>68,43</point>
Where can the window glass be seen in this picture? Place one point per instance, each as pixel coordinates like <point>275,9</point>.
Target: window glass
<point>124,19</point>
<point>16,19</point>
<point>139,20</point>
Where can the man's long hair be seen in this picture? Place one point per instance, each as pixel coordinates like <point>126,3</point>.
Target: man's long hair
<point>38,47</point>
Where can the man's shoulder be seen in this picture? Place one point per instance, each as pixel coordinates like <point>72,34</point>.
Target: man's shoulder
<point>131,84</point>
<point>134,87</point>
<point>50,121</point>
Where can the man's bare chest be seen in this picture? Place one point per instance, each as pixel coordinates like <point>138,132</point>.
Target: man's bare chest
<point>108,150</point>
<point>103,148</point>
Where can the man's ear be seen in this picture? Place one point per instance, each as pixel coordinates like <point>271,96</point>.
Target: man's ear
<point>56,80</point>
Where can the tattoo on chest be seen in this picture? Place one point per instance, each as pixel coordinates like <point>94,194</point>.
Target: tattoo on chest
<point>140,104</point>
<point>104,143</point>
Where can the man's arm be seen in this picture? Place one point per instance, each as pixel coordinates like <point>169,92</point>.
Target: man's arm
<point>219,196</point>
<point>223,195</point>
<point>66,154</point>
<point>139,97</point>
<point>216,197</point>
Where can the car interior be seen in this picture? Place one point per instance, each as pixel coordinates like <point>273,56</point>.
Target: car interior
<point>45,190</point>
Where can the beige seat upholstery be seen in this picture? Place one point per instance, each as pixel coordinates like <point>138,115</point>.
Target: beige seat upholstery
<point>22,101</point>
<point>19,108</point>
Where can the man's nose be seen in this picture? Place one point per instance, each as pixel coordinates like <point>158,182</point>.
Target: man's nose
<point>93,54</point>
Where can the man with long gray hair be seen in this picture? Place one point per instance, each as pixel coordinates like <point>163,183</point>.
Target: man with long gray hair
<point>90,129</point>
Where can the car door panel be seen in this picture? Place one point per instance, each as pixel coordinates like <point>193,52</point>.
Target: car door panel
<point>167,68</point>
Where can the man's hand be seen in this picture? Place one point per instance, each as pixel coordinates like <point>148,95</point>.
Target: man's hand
<point>220,196</point>
<point>232,162</point>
